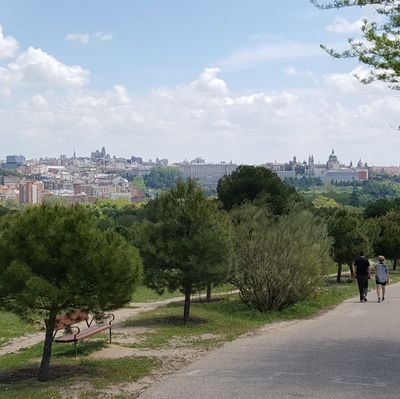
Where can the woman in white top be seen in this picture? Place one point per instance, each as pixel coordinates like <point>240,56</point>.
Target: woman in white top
<point>381,278</point>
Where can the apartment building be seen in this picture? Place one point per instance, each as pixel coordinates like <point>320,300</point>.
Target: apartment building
<point>30,192</point>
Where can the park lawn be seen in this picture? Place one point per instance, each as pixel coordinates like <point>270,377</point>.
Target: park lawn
<point>12,326</point>
<point>18,372</point>
<point>145,294</point>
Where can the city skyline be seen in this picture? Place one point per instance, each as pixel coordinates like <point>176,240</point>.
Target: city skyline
<point>317,159</point>
<point>179,80</point>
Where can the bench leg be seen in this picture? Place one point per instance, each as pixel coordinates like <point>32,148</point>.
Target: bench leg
<point>110,335</point>
<point>76,349</point>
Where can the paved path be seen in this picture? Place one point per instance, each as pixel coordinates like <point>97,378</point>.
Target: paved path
<point>351,352</point>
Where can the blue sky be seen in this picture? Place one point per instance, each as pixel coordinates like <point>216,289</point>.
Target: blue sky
<point>180,79</point>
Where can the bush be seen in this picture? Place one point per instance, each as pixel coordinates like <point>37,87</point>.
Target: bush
<point>279,260</point>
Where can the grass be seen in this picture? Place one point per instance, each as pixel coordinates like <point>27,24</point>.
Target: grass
<point>12,326</point>
<point>18,371</point>
<point>145,294</point>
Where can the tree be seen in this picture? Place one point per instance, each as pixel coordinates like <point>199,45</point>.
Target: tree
<point>375,190</point>
<point>279,260</point>
<point>380,45</point>
<point>138,183</point>
<point>381,207</point>
<point>350,236</point>
<point>162,178</point>
<point>185,242</point>
<point>4,211</point>
<point>388,241</point>
<point>355,197</point>
<point>324,202</point>
<point>115,215</point>
<point>55,259</point>
<point>256,183</point>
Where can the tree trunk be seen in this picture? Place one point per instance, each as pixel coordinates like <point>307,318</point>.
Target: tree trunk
<point>339,273</point>
<point>351,270</point>
<point>186,310</point>
<point>48,342</point>
<point>208,295</point>
<point>395,264</point>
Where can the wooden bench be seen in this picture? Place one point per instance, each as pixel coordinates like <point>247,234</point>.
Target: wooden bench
<point>73,333</point>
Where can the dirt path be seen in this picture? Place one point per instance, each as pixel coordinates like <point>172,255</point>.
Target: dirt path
<point>121,315</point>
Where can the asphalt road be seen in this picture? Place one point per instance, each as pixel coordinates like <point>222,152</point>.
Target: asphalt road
<point>350,352</point>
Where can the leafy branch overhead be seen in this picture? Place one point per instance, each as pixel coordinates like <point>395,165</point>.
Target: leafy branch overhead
<point>379,47</point>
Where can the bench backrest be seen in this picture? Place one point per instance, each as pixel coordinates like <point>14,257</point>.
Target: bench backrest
<point>68,319</point>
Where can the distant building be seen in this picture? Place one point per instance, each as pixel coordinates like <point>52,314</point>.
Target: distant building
<point>8,193</point>
<point>13,161</point>
<point>100,156</point>
<point>30,192</point>
<point>136,160</point>
<point>137,196</point>
<point>8,180</point>
<point>390,170</point>
<point>340,175</point>
<point>161,162</point>
<point>330,171</point>
<point>333,162</point>
<point>363,174</point>
<point>284,174</point>
<point>207,174</point>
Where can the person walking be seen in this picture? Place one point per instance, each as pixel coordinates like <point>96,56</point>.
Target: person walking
<point>362,272</point>
<point>381,278</point>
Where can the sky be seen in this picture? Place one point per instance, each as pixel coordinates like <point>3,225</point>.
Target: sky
<point>225,80</point>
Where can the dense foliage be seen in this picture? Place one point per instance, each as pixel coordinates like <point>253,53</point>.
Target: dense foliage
<point>358,194</point>
<point>381,207</point>
<point>387,241</point>
<point>185,241</point>
<point>279,260</point>
<point>162,178</point>
<point>55,259</point>
<point>304,182</point>
<point>351,236</point>
<point>256,183</point>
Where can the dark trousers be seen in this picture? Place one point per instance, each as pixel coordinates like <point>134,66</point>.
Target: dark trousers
<point>362,282</point>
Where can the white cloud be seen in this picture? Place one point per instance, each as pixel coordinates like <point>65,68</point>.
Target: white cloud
<point>103,37</point>
<point>291,71</point>
<point>83,38</point>
<point>38,67</point>
<point>347,83</point>
<point>259,36</point>
<point>209,83</point>
<point>272,51</point>
<point>8,45</point>
<point>342,25</point>
<point>344,83</point>
<point>86,38</point>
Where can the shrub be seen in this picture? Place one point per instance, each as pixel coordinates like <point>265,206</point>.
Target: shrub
<point>279,260</point>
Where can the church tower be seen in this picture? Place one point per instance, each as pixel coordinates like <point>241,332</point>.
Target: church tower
<point>333,162</point>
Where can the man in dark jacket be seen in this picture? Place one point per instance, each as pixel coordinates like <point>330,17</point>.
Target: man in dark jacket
<point>362,272</point>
